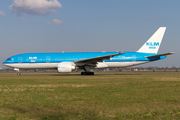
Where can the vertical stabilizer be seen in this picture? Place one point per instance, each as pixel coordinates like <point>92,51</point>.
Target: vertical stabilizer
<point>154,42</point>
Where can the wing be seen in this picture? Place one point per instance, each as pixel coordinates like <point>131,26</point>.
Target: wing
<point>160,55</point>
<point>97,59</point>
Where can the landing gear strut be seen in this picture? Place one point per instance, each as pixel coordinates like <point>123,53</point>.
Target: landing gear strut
<point>87,73</point>
<point>87,69</point>
<point>18,71</point>
<point>18,74</point>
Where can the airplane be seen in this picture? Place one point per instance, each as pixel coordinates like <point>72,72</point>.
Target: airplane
<point>69,61</point>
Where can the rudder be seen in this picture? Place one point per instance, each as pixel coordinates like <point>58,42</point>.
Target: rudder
<point>154,42</point>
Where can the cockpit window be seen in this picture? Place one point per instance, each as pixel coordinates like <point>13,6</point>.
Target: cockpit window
<point>9,59</point>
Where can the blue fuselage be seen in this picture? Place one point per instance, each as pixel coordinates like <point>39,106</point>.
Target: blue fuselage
<point>35,58</point>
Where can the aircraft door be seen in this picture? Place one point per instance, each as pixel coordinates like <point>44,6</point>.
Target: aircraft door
<point>133,58</point>
<point>48,59</point>
<point>20,59</point>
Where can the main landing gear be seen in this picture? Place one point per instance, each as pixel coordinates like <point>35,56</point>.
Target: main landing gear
<point>87,69</point>
<point>87,73</point>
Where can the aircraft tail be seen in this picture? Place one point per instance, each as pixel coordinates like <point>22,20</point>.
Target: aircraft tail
<point>154,42</point>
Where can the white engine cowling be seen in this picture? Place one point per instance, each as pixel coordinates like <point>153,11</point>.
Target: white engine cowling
<point>65,67</point>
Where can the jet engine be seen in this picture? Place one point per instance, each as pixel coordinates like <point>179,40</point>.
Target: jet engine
<point>65,67</point>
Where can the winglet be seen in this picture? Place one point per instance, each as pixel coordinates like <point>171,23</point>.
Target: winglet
<point>154,42</point>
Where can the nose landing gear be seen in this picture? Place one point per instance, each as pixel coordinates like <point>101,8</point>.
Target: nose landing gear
<point>17,70</point>
<point>18,74</point>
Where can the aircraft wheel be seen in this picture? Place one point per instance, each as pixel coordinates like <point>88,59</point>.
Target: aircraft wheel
<point>18,74</point>
<point>87,73</point>
<point>90,73</point>
<point>83,73</point>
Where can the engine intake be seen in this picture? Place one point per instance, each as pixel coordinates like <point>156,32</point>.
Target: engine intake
<point>65,67</point>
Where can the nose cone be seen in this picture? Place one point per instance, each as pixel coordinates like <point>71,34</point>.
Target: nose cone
<point>5,62</point>
<point>9,62</point>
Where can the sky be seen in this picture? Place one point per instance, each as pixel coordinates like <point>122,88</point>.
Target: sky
<point>38,26</point>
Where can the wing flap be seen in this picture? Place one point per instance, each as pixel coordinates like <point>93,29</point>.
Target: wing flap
<point>160,55</point>
<point>97,59</point>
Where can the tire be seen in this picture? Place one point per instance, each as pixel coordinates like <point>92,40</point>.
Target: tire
<point>87,73</point>
<point>18,74</point>
<point>83,73</point>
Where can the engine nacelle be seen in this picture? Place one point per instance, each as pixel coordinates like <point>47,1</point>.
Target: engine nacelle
<point>65,67</point>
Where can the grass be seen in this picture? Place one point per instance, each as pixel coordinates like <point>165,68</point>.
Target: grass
<point>107,95</point>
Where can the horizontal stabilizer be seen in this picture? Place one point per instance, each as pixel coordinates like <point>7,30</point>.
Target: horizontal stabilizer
<point>160,55</point>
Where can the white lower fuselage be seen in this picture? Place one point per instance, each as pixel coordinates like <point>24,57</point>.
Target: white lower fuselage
<point>54,65</point>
